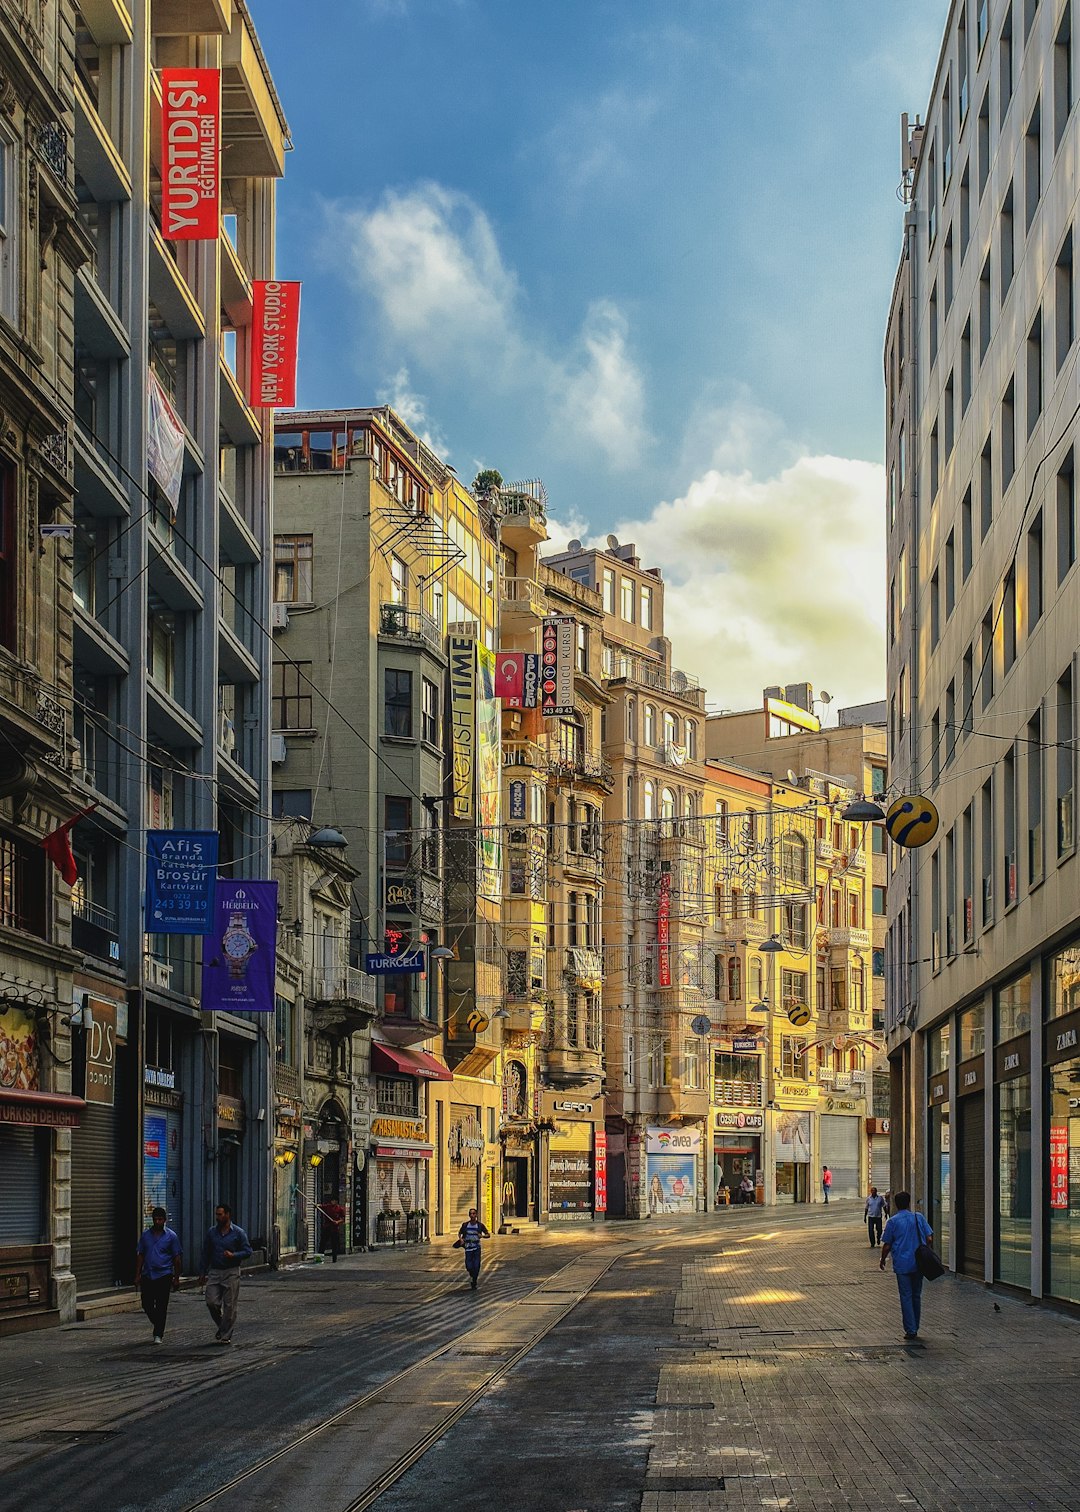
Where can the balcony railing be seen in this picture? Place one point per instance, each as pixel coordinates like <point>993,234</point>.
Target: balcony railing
<point>646,674</point>
<point>525,754</point>
<point>522,592</point>
<point>586,767</point>
<point>344,984</point>
<point>411,625</point>
<point>847,938</point>
<point>738,1094</point>
<point>521,508</point>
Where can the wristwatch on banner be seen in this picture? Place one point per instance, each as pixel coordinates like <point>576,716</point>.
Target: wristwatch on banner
<point>238,944</point>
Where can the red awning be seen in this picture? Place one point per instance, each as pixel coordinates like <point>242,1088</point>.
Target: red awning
<point>409,1063</point>
<point>41,1110</point>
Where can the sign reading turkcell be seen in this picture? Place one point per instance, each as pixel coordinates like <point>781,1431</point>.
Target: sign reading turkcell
<point>383,965</point>
<point>181,876</point>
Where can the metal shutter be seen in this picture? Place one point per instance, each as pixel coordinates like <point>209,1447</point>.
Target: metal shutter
<point>23,1160</point>
<point>880,1163</point>
<point>840,1152</point>
<point>94,1199</point>
<point>462,1194</point>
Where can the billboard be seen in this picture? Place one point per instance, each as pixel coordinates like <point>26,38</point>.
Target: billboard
<point>239,955</point>
<point>275,334</point>
<point>181,875</point>
<point>191,153</point>
<point>462,653</point>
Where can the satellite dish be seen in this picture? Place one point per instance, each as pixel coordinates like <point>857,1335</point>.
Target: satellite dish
<point>826,698</point>
<point>613,541</point>
<point>791,777</point>
<point>574,545</point>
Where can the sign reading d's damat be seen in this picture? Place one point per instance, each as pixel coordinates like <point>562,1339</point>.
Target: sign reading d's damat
<point>191,153</point>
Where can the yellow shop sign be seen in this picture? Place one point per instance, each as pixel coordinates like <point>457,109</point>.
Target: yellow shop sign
<point>397,1128</point>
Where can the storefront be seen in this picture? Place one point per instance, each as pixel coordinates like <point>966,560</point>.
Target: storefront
<point>163,1144</point>
<point>1062,1137</point>
<point>840,1131</point>
<point>672,1157</point>
<point>288,1136</point>
<point>939,1138</point>
<point>571,1158</point>
<point>401,1189</point>
<point>102,1149</point>
<point>792,1139</point>
<point>879,1154</point>
<point>1012,1108</point>
<point>465,1146</point>
<point>737,1138</point>
<point>971,1142</point>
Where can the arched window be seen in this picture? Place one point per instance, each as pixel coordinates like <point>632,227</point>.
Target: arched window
<point>691,739</point>
<point>650,800</point>
<point>688,806</point>
<point>671,729</point>
<point>649,732</point>
<point>631,719</point>
<point>734,979</point>
<point>756,988</point>
<point>793,858</point>
<point>667,804</point>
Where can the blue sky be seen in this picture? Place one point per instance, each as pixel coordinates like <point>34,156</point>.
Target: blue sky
<point>642,250</point>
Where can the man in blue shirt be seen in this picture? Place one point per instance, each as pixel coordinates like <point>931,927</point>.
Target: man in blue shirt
<point>874,1213</point>
<point>224,1247</point>
<point>469,1235</point>
<point>157,1271</point>
<point>904,1232</point>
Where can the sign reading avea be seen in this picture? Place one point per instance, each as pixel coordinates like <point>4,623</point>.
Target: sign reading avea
<point>191,153</point>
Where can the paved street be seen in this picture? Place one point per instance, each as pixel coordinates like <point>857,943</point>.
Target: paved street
<point>750,1359</point>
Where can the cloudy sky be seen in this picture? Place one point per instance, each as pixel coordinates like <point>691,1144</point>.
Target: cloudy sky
<point>642,249</point>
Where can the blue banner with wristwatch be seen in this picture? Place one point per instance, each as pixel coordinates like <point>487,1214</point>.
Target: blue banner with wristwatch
<point>239,952</point>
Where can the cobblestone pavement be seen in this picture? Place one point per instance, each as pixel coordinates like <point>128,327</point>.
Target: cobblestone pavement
<point>745,1360</point>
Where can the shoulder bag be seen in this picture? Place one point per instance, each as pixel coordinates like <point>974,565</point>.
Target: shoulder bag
<point>927,1261</point>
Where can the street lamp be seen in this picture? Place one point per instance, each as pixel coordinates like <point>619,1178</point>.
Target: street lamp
<point>862,811</point>
<point>327,838</point>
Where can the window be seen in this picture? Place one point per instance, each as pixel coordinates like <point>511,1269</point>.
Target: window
<point>1063,79</point>
<point>293,569</point>
<point>1006,243</point>
<point>581,650</point>
<point>982,24</point>
<point>721,810</point>
<point>962,64</point>
<point>1033,165</point>
<point>429,713</point>
<point>1009,825</point>
<point>986,488</point>
<point>645,603</point>
<point>285,1031</point>
<point>1035,573</point>
<point>631,724</point>
<point>649,732</point>
<point>966,541</point>
<point>671,729</point>
<point>950,722</point>
<point>967,691</point>
<point>931,203</point>
<point>1008,436</point>
<point>985,309</point>
<point>399,581</point>
<point>1064,735</point>
<point>292,696</point>
<point>986,825</point>
<point>794,926</point>
<point>947,272</point>
<point>950,574</point>
<point>946,143</point>
<point>609,590</point>
<point>793,1064</point>
<point>161,650</point>
<point>1034,374</point>
<point>950,417</point>
<point>1008,619</point>
<point>965,367</point>
<point>667,804</point>
<point>1064,302</point>
<point>1030,7</point>
<point>965,211</point>
<point>933,318</point>
<point>935,748</point>
<point>1066,516</point>
<point>9,580</point>
<point>397,815</point>
<point>935,462</point>
<point>984,140</point>
<point>986,658</point>
<point>878,902</point>
<point>793,858</point>
<point>1034,759</point>
<point>9,236</point>
<point>397,691</point>
<point>627,600</point>
<point>291,803</point>
<point>1005,67</point>
<point>23,886</point>
<point>649,800</point>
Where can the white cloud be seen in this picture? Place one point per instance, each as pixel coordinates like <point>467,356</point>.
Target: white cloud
<point>412,408</point>
<point>429,260</point>
<point>774,579</point>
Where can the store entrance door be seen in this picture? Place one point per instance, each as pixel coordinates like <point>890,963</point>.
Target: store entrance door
<point>792,1181</point>
<point>517,1171</point>
<point>971,1202</point>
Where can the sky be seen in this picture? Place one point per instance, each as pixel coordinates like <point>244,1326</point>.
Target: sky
<point>641,249</point>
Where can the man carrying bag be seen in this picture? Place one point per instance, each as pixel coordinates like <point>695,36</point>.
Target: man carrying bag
<point>907,1238</point>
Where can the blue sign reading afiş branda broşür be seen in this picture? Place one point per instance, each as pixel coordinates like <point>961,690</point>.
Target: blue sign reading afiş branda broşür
<point>181,878</point>
<point>385,965</point>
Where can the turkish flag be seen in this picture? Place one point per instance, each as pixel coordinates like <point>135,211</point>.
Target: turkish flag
<point>510,678</point>
<point>57,846</point>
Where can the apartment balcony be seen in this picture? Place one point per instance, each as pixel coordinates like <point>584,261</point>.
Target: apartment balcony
<point>689,1103</point>
<point>521,602</point>
<point>167,576</point>
<point>525,753</point>
<point>525,1017</point>
<point>823,849</point>
<point>95,930</point>
<point>168,720</point>
<point>239,423</point>
<point>407,1026</point>
<point>188,18</point>
<point>402,624</point>
<point>854,861</point>
<point>235,283</point>
<point>253,134</point>
<point>738,1094</point>
<point>101,490</point>
<point>643,673</point>
<point>100,330</point>
<point>522,522</point>
<point>569,1066</point>
<point>235,537</point>
<point>236,663</point>
<point>584,768</point>
<point>170,293</point>
<point>847,938</point>
<point>584,969</point>
<point>100,164</point>
<point>95,649</point>
<point>341,1000</point>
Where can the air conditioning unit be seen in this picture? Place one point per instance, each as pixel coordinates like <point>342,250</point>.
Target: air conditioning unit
<point>279,616</point>
<point>278,749</point>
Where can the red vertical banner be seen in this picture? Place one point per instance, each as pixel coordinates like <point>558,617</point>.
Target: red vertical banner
<point>663,931</point>
<point>1059,1165</point>
<point>191,153</point>
<point>275,333</point>
<point>600,1172</point>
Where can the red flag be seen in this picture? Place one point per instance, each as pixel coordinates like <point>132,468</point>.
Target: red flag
<point>57,846</point>
<point>509,678</point>
<point>275,332</point>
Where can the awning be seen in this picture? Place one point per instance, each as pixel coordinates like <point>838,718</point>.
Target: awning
<point>401,1062</point>
<point>41,1110</point>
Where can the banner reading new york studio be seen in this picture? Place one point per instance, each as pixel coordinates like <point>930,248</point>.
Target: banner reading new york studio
<point>239,956</point>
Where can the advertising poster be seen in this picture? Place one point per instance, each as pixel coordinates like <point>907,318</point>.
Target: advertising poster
<point>155,1176</point>
<point>601,1171</point>
<point>164,443</point>
<point>489,776</point>
<point>570,1171</point>
<point>181,876</point>
<point>462,653</point>
<point>239,956</point>
<point>517,679</point>
<point>672,1183</point>
<point>275,334</point>
<point>518,808</point>
<point>191,153</point>
<point>793,1137</point>
<point>663,931</point>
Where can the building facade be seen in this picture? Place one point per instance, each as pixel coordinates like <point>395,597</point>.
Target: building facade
<point>171,633</point>
<point>981,382</point>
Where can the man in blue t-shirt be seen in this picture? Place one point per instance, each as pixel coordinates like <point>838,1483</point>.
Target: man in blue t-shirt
<point>157,1271</point>
<point>904,1232</point>
<point>224,1247</point>
<point>469,1236</point>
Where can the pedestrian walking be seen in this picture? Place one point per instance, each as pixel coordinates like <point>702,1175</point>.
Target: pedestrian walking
<point>826,1182</point>
<point>746,1190</point>
<point>333,1215</point>
<point>224,1249</point>
<point>904,1232</point>
<point>157,1271</point>
<point>888,1204</point>
<point>469,1236</point>
<point>873,1213</point>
